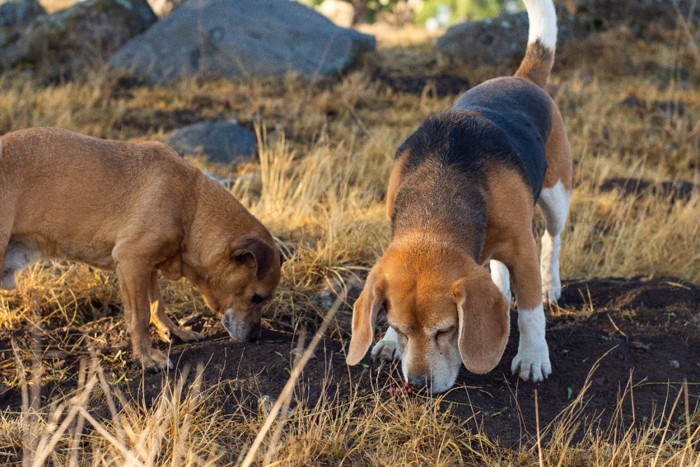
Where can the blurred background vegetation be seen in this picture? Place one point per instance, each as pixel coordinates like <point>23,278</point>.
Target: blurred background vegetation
<point>430,13</point>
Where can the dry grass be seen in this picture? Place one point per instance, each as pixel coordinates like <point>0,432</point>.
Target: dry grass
<point>325,153</point>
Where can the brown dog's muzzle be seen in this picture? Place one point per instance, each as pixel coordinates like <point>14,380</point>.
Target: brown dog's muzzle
<point>238,329</point>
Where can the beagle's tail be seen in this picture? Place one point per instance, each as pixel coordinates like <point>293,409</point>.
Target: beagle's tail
<point>541,42</point>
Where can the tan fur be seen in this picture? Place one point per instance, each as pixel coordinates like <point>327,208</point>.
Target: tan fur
<point>558,154</point>
<point>483,321</point>
<point>537,64</point>
<point>509,237</point>
<point>135,208</point>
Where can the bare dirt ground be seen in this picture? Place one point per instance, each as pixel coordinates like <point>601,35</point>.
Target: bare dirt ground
<point>607,333</point>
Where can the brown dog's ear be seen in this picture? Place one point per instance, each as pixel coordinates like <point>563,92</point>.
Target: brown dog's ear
<point>484,323</point>
<point>364,318</point>
<point>254,253</point>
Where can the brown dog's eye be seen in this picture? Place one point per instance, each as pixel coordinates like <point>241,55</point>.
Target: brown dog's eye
<point>256,299</point>
<point>443,333</point>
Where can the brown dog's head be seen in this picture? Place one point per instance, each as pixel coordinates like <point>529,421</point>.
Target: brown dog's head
<point>239,281</point>
<point>444,312</point>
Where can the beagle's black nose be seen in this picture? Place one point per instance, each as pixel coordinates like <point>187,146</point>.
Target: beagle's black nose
<point>418,381</point>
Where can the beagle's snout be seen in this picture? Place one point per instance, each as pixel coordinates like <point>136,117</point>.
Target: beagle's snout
<point>418,381</point>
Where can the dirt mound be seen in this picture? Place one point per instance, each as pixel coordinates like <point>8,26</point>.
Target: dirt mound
<point>605,334</point>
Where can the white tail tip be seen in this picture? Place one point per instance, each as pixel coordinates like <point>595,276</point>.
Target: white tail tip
<point>543,22</point>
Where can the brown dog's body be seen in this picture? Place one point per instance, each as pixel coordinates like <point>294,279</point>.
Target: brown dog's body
<point>462,193</point>
<point>135,208</point>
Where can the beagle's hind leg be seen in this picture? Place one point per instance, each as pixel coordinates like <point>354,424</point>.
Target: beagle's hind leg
<point>501,277</point>
<point>554,204</point>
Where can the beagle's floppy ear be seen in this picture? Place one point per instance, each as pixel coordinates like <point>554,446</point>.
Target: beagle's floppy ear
<point>484,323</point>
<point>364,317</point>
<point>253,253</point>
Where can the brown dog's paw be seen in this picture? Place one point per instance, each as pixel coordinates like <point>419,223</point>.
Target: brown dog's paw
<point>155,361</point>
<point>186,335</point>
<point>175,335</point>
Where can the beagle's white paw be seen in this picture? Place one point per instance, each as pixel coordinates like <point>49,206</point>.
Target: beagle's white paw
<point>551,293</point>
<point>388,347</point>
<point>532,360</point>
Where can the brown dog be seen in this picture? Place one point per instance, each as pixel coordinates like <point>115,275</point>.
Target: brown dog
<point>135,208</point>
<point>462,193</point>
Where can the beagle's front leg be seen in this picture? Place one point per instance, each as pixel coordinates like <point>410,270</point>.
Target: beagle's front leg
<point>532,359</point>
<point>388,347</point>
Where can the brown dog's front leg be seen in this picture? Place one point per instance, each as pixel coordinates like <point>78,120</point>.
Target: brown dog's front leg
<point>134,281</point>
<point>164,325</point>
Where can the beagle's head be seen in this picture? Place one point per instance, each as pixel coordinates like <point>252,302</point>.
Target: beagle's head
<point>445,312</point>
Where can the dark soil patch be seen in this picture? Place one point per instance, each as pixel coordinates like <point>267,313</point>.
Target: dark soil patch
<point>643,331</point>
<point>673,190</point>
<point>439,85</point>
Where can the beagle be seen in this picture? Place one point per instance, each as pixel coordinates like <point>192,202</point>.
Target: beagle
<point>461,194</point>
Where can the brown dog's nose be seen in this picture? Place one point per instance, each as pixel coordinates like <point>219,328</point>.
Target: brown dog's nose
<point>255,333</point>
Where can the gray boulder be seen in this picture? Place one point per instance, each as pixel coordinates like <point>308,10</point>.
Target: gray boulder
<point>14,13</point>
<point>242,38</point>
<point>501,41</point>
<point>70,42</point>
<point>223,141</point>
<point>496,42</point>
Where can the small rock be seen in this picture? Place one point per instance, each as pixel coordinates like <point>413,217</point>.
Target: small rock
<point>221,141</point>
<point>636,345</point>
<point>55,355</point>
<point>631,101</point>
<point>297,353</point>
<point>265,404</point>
